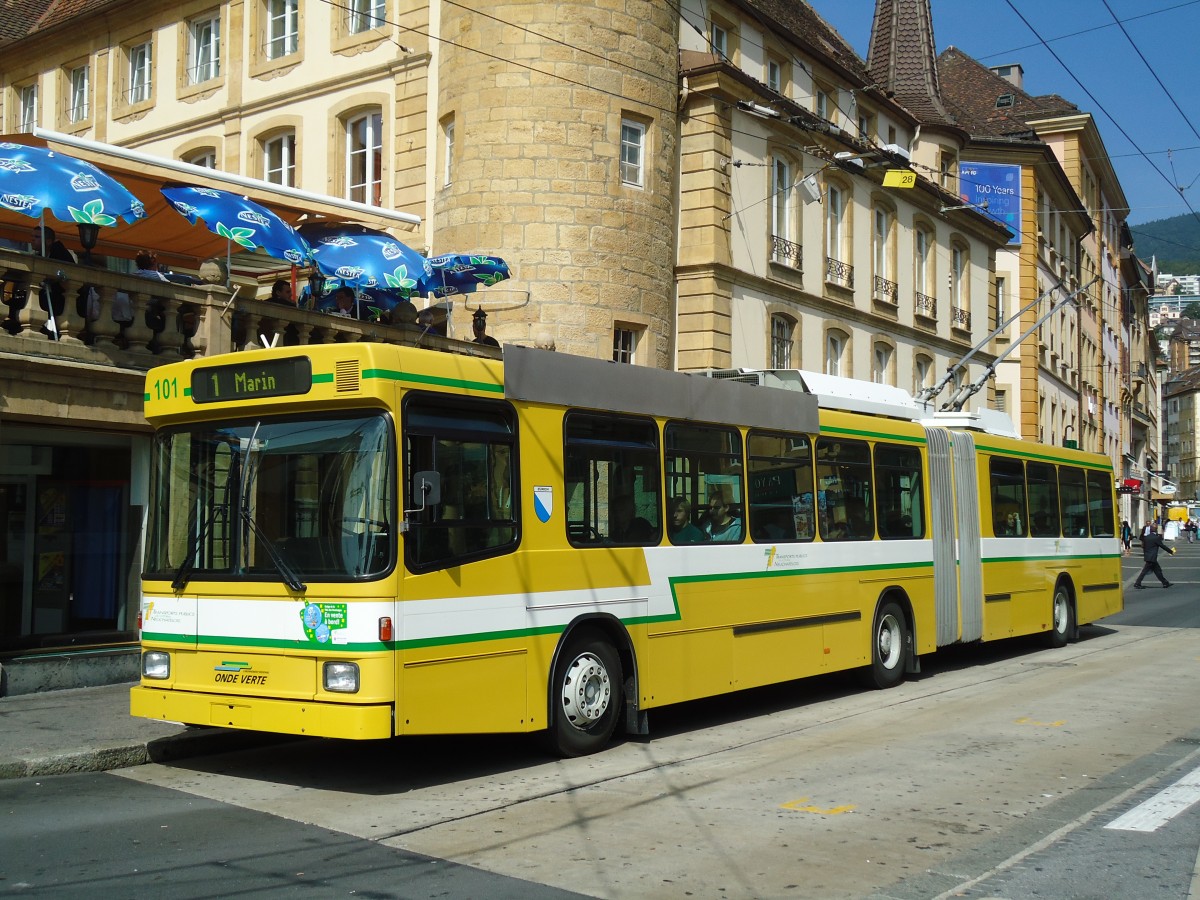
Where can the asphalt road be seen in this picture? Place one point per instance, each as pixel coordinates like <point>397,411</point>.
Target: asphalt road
<point>995,773</point>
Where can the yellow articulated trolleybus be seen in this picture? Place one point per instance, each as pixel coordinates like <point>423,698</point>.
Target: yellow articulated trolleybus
<point>363,541</point>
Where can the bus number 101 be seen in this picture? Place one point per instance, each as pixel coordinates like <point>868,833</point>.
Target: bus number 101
<point>166,389</point>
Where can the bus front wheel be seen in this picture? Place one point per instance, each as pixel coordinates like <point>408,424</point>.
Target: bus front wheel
<point>585,696</point>
<point>889,647</point>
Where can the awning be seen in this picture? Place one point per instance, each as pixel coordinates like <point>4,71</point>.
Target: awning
<point>165,231</point>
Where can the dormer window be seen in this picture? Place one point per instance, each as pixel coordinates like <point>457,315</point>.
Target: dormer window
<point>1006,101</point>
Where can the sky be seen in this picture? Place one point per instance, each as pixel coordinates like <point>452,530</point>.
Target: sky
<point>1148,111</point>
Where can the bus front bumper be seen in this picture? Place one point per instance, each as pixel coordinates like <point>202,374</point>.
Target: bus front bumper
<point>308,718</point>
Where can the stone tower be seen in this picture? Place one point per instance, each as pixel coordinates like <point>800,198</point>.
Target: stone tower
<point>535,95</point>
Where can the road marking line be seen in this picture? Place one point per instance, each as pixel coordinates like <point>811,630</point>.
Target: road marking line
<point>1162,807</point>
<point>802,805</point>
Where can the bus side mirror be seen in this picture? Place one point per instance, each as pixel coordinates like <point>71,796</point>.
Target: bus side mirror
<point>426,492</point>
<point>427,486</point>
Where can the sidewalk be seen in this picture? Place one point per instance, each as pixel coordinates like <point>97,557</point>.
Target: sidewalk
<point>91,730</point>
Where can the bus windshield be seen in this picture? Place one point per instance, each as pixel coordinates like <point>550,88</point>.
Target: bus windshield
<point>284,499</point>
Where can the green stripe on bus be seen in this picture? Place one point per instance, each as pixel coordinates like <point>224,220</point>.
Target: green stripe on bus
<point>878,435</point>
<point>1101,465</point>
<point>322,378</point>
<point>1078,556</point>
<point>413,378</point>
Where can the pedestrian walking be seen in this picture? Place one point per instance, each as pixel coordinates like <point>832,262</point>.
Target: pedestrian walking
<point>1126,536</point>
<point>1152,542</point>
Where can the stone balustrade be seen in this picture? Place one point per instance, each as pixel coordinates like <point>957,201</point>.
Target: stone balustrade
<point>137,323</point>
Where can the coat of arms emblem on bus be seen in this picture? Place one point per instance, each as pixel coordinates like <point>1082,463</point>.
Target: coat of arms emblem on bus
<point>543,502</point>
<point>322,619</point>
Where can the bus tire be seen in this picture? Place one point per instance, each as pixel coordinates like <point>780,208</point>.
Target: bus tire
<point>585,696</point>
<point>1062,617</point>
<point>889,647</point>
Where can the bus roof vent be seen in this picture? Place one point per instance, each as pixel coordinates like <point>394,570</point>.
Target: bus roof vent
<point>346,375</point>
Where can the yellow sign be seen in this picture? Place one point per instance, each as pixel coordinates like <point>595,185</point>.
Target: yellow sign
<point>899,178</point>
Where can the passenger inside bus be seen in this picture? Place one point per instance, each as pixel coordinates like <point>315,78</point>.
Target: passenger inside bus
<point>722,524</point>
<point>683,531</point>
<point>627,526</point>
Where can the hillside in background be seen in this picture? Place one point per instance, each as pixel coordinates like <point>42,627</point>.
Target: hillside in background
<point>1174,242</point>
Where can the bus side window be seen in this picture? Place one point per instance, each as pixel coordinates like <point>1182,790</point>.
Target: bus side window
<point>704,465</point>
<point>898,492</point>
<point>1073,498</point>
<point>1042,480</point>
<point>611,483</point>
<point>845,493</point>
<point>780,487</point>
<point>1008,497</point>
<point>471,445</point>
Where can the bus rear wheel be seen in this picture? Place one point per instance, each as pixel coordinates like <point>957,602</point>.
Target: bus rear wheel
<point>1063,621</point>
<point>585,696</point>
<point>889,647</point>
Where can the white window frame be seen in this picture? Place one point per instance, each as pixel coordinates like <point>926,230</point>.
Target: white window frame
<point>141,72</point>
<point>783,330</point>
<point>625,343</point>
<point>821,103</point>
<point>365,15</point>
<point>921,245</point>
<point>279,159</point>
<point>205,158</point>
<point>448,159</point>
<point>957,274</point>
<point>365,158</point>
<point>633,153</point>
<point>882,239</point>
<point>835,221</point>
<point>1001,299</point>
<point>922,370</point>
<point>718,39</point>
<point>81,93</point>
<point>775,76</point>
<point>881,363</point>
<point>204,49</point>
<point>781,198</point>
<point>28,107</point>
<point>835,348</point>
<point>283,28</point>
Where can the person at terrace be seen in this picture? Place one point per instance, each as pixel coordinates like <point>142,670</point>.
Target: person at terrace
<point>346,304</point>
<point>147,266</point>
<point>479,326</point>
<point>281,292</point>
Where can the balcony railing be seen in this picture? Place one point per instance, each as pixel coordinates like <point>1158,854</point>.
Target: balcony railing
<point>924,306</point>
<point>885,291</point>
<point>138,323</point>
<point>838,272</point>
<point>960,318</point>
<point>787,252</point>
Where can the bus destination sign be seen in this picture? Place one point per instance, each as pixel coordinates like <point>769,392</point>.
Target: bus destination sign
<point>245,381</point>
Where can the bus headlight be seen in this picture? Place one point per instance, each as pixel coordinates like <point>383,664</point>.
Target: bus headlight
<point>156,664</point>
<point>341,677</point>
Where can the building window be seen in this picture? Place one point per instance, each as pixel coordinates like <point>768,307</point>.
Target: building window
<point>881,363</point>
<point>921,267</point>
<point>1002,401</point>
<point>206,158</point>
<point>922,370</point>
<point>718,38</point>
<point>947,167</point>
<point>364,15</point>
<point>1001,300</point>
<point>821,104</point>
<point>141,63</point>
<point>283,28</point>
<point>279,159</point>
<point>881,243</point>
<point>448,155</point>
<point>835,348</point>
<point>364,159</point>
<point>835,221</point>
<point>28,101</point>
<point>625,341</point>
<point>778,75</point>
<point>633,151</point>
<point>204,49</point>
<point>958,264</point>
<point>783,329</point>
<point>78,110</point>
<point>781,201</point>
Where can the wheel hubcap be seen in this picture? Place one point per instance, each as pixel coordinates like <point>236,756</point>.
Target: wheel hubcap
<point>1060,613</point>
<point>586,691</point>
<point>889,642</point>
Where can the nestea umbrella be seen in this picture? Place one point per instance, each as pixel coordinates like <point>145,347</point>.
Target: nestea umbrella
<point>35,180</point>
<point>240,221</point>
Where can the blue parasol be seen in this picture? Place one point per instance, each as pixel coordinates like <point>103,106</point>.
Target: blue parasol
<point>462,273</point>
<point>34,181</point>
<point>240,221</point>
<point>365,258</point>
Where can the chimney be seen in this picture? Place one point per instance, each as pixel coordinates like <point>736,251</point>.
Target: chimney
<point>1012,73</point>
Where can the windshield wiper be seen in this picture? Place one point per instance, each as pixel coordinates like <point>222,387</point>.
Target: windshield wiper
<point>290,578</point>
<point>188,566</point>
